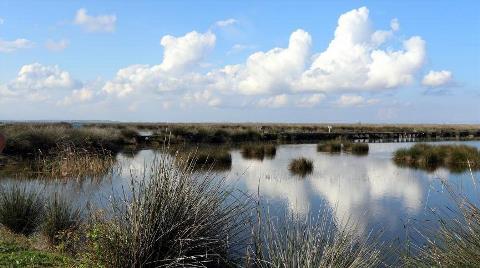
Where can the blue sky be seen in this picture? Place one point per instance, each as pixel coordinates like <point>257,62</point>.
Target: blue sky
<point>269,61</point>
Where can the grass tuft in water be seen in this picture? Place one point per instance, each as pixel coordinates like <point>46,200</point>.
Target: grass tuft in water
<point>21,209</point>
<point>301,166</point>
<point>333,146</point>
<point>259,151</point>
<point>454,157</point>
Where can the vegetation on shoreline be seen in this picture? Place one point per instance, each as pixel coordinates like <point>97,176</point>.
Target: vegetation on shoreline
<point>32,141</point>
<point>430,157</point>
<point>301,166</point>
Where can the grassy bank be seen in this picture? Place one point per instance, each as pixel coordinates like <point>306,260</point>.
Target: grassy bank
<point>430,157</point>
<point>20,251</point>
<point>30,141</point>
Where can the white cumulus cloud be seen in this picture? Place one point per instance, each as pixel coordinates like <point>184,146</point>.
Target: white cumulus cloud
<point>78,95</point>
<point>36,76</point>
<point>277,101</point>
<point>351,100</point>
<point>10,46</point>
<point>59,45</point>
<point>225,23</point>
<point>355,61</point>
<point>180,54</point>
<point>310,101</point>
<point>100,23</point>
<point>437,78</point>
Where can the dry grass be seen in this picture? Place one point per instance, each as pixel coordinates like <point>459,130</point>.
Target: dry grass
<point>306,242</point>
<point>456,243</point>
<point>69,162</point>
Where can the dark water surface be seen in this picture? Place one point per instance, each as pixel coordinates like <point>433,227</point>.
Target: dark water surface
<point>369,190</point>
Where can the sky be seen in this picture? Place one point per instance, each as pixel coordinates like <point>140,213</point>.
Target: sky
<point>241,61</point>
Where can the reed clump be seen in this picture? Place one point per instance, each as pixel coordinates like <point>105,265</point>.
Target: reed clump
<point>306,242</point>
<point>337,146</point>
<point>71,162</point>
<point>61,219</point>
<point>301,166</point>
<point>172,218</point>
<point>426,156</point>
<point>456,242</point>
<point>212,159</point>
<point>358,148</point>
<point>332,146</point>
<point>21,209</point>
<point>259,151</point>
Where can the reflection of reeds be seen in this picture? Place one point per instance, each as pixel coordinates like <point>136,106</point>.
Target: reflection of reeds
<point>301,166</point>
<point>172,218</point>
<point>425,156</point>
<point>305,242</point>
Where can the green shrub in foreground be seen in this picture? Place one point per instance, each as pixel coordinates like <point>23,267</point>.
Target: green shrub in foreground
<point>172,218</point>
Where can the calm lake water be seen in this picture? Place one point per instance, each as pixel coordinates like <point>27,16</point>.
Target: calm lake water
<point>369,190</point>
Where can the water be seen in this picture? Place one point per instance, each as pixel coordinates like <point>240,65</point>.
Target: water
<point>369,190</point>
